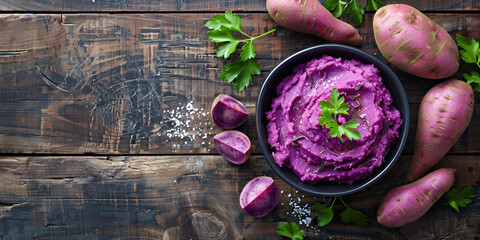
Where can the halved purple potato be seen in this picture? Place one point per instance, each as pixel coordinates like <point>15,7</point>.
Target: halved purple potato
<point>233,145</point>
<point>259,196</point>
<point>228,112</point>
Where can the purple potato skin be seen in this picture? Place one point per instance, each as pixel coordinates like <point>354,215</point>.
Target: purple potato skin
<point>445,113</point>
<point>228,112</point>
<point>233,145</point>
<point>414,43</point>
<point>259,196</point>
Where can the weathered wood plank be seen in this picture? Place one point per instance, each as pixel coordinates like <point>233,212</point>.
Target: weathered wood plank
<point>196,5</point>
<point>183,197</point>
<point>143,83</point>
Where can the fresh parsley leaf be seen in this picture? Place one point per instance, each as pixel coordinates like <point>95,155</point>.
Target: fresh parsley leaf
<point>473,79</point>
<point>248,52</point>
<point>352,9</point>
<point>469,51</point>
<point>226,49</point>
<point>460,197</point>
<point>325,214</point>
<point>350,131</point>
<point>374,5</point>
<point>350,215</point>
<point>355,11</point>
<point>234,20</point>
<point>291,230</point>
<point>222,35</point>
<point>239,72</point>
<point>229,21</point>
<point>330,109</point>
<point>335,7</point>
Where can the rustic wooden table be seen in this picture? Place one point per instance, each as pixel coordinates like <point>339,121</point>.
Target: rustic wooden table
<point>105,129</point>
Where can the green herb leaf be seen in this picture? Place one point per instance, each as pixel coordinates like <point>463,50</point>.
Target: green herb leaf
<point>240,72</point>
<point>248,51</point>
<point>226,49</point>
<point>374,5</point>
<point>325,214</point>
<point>350,131</point>
<point>350,215</point>
<point>460,197</point>
<point>355,11</point>
<point>229,21</point>
<point>473,79</point>
<point>321,167</point>
<point>352,9</point>
<point>234,20</point>
<point>330,109</point>
<point>222,35</point>
<point>359,86</point>
<point>469,52</point>
<point>291,230</point>
<point>294,141</point>
<point>335,7</point>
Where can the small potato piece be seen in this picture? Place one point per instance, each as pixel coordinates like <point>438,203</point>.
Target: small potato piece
<point>233,145</point>
<point>259,196</point>
<point>228,112</point>
<point>414,43</point>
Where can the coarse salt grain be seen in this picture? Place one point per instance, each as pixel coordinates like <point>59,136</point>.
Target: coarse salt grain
<point>298,211</point>
<point>180,124</point>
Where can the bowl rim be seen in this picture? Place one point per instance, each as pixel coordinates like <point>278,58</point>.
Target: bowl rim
<point>403,131</point>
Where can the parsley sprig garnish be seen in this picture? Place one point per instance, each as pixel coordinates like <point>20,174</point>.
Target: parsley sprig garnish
<point>470,53</point>
<point>291,230</point>
<point>330,110</point>
<point>241,71</point>
<point>325,214</point>
<point>460,197</point>
<point>352,9</point>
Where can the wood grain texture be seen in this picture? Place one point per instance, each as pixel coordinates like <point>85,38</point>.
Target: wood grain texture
<point>183,197</point>
<point>144,83</point>
<point>197,5</point>
<point>106,103</point>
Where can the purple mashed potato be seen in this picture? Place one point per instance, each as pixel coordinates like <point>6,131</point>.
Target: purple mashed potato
<point>303,145</point>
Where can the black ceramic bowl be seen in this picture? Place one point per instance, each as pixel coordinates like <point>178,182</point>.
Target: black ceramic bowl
<point>268,93</point>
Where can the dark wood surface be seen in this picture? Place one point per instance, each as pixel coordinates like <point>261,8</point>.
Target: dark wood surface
<point>105,127</point>
<point>195,6</point>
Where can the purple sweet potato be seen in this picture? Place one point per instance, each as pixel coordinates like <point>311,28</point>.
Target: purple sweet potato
<point>233,145</point>
<point>414,43</point>
<point>228,112</point>
<point>310,16</point>
<point>409,202</point>
<point>259,196</point>
<point>444,114</point>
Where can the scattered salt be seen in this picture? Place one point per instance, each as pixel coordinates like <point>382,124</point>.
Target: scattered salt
<point>301,212</point>
<point>179,123</point>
